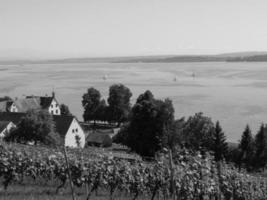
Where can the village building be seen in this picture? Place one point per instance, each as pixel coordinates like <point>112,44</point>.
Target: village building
<point>23,105</point>
<point>5,127</point>
<point>67,127</point>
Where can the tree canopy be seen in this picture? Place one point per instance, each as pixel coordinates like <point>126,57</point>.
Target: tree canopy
<point>37,127</point>
<point>198,132</point>
<point>119,103</point>
<point>149,125</point>
<point>94,107</point>
<point>64,109</point>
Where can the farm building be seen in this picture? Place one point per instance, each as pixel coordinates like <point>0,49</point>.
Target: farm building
<point>101,137</point>
<point>67,127</point>
<point>5,127</point>
<point>22,105</point>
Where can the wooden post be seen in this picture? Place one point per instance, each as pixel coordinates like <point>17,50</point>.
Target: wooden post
<point>172,174</point>
<point>69,173</point>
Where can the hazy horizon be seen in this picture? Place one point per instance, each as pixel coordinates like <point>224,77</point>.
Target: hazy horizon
<point>40,29</point>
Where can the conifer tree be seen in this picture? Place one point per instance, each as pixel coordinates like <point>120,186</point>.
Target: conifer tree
<point>246,147</point>
<point>220,146</point>
<point>260,147</point>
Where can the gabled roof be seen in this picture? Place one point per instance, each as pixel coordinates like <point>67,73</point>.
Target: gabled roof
<point>3,125</point>
<point>11,117</point>
<point>23,105</point>
<point>46,101</point>
<point>62,122</point>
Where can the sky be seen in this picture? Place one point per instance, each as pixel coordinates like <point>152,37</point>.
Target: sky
<point>100,28</point>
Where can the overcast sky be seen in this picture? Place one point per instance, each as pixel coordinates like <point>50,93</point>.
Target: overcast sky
<point>78,28</point>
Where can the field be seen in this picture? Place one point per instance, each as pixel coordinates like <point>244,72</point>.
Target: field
<point>234,93</point>
<point>41,173</point>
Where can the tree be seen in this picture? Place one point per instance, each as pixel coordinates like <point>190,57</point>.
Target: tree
<point>94,107</point>
<point>119,103</point>
<point>220,146</point>
<point>149,125</point>
<point>198,132</point>
<point>246,147</point>
<point>260,147</point>
<point>37,127</point>
<point>64,109</point>
<point>5,98</point>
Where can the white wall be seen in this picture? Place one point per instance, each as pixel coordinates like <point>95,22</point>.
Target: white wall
<point>74,129</point>
<point>13,108</point>
<point>54,108</point>
<point>7,129</point>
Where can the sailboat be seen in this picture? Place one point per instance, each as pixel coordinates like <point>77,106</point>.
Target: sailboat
<point>105,77</point>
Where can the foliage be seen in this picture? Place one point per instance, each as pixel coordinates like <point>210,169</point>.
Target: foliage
<point>198,132</point>
<point>64,109</point>
<point>149,126</point>
<point>119,103</point>
<point>246,147</point>
<point>220,146</point>
<point>94,107</point>
<point>37,127</point>
<point>5,98</point>
<point>260,158</point>
<point>194,176</point>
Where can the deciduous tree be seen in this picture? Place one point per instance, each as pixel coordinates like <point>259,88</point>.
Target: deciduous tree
<point>119,103</point>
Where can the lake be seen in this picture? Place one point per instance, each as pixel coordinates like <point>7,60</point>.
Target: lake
<point>233,93</point>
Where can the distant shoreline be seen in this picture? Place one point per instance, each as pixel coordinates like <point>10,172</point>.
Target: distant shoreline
<point>230,57</point>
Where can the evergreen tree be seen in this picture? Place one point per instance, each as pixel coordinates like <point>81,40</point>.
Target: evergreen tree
<point>260,147</point>
<point>220,146</point>
<point>246,147</point>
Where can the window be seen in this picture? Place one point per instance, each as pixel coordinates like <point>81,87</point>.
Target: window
<point>51,105</point>
<point>73,131</point>
<point>56,111</point>
<point>76,130</point>
<point>52,112</point>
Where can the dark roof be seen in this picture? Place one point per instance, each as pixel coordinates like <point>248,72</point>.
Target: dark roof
<point>99,138</point>
<point>45,102</point>
<point>11,117</point>
<point>3,125</point>
<point>62,122</point>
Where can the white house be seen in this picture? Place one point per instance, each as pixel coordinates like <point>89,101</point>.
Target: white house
<point>5,127</point>
<point>67,127</point>
<point>70,129</point>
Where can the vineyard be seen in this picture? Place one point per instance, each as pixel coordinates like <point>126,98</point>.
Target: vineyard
<point>190,177</point>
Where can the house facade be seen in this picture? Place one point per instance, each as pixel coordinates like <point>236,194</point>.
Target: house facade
<point>67,127</point>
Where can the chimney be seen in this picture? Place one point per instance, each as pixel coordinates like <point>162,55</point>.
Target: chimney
<point>53,94</point>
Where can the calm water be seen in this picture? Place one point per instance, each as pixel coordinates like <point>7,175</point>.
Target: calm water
<point>233,93</point>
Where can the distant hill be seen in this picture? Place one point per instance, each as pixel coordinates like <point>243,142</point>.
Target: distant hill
<point>255,58</point>
<point>227,57</point>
